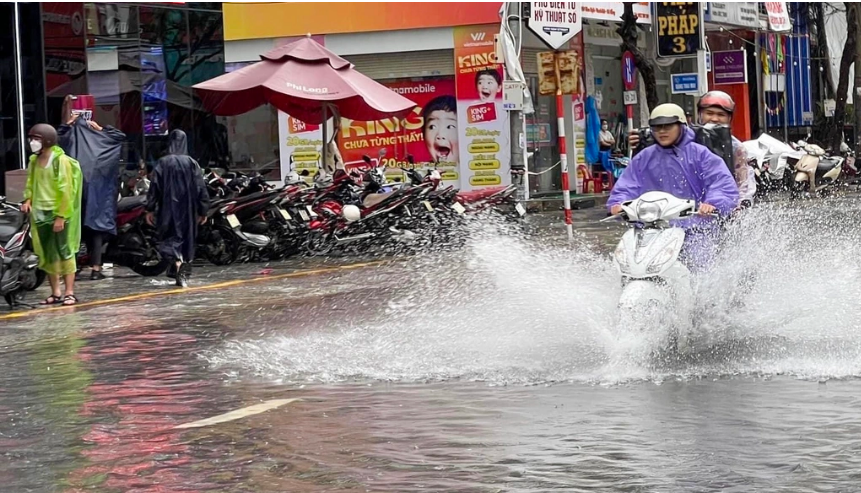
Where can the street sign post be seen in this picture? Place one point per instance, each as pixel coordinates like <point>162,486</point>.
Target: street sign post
<point>629,80</point>
<point>556,23</point>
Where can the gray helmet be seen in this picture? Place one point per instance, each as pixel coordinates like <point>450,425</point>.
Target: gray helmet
<point>667,114</point>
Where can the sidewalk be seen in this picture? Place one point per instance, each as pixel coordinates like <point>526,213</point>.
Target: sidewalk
<point>578,202</point>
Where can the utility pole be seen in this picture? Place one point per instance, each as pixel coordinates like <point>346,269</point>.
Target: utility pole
<point>857,96</point>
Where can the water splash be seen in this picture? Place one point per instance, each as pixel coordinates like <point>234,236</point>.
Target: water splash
<point>510,310</point>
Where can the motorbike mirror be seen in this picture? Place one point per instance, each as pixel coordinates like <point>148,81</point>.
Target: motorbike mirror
<point>382,153</point>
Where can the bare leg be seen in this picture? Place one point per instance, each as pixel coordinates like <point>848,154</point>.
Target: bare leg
<point>69,280</point>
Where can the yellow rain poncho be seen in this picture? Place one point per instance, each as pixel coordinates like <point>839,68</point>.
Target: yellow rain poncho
<point>55,191</point>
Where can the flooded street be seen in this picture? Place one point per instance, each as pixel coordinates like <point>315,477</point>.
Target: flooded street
<point>498,367</point>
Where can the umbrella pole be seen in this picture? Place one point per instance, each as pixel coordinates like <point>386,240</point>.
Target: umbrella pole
<point>325,138</point>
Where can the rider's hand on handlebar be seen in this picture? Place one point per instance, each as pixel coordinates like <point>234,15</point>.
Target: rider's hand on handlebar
<point>616,209</point>
<point>706,209</point>
<point>633,139</point>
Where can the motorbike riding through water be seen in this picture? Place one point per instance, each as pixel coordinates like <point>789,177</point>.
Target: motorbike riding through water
<point>657,292</point>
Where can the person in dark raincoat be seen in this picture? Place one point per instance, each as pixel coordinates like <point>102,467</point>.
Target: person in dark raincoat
<point>176,202</point>
<point>97,149</point>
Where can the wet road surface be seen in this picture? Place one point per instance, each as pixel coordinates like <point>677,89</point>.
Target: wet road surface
<point>462,371</point>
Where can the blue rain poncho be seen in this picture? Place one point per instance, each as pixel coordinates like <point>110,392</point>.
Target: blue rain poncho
<point>688,171</point>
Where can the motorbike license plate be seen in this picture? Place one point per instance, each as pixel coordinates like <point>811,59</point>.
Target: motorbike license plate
<point>520,209</point>
<point>233,221</point>
<point>286,215</point>
<point>427,205</point>
<point>304,215</point>
<point>458,208</point>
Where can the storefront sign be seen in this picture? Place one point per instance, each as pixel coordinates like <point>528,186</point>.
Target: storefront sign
<point>300,146</point>
<point>680,29</point>
<point>262,20</point>
<point>612,11</point>
<point>778,16</point>
<point>429,134</point>
<point>742,14</point>
<point>730,67</point>
<point>685,83</point>
<point>555,23</point>
<point>629,71</point>
<point>482,124</point>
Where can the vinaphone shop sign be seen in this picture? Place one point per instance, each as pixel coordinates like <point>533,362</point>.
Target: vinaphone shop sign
<point>680,28</point>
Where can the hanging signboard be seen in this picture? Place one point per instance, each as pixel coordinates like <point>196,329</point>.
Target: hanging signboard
<point>729,67</point>
<point>680,29</point>
<point>685,83</point>
<point>555,23</point>
<point>778,16</point>
<point>743,14</point>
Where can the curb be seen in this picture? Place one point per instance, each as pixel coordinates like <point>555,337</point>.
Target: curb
<point>578,202</point>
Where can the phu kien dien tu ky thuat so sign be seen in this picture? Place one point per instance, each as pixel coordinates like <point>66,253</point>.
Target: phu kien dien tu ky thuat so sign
<point>679,28</point>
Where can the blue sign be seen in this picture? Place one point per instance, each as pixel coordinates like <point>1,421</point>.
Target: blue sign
<point>599,81</point>
<point>628,71</point>
<point>685,83</point>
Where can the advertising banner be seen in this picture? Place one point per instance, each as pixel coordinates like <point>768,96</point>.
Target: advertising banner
<point>300,146</point>
<point>482,124</point>
<point>428,134</point>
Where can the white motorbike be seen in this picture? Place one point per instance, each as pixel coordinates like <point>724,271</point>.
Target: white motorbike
<point>657,296</point>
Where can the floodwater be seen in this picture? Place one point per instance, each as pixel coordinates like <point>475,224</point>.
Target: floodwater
<point>498,367</point>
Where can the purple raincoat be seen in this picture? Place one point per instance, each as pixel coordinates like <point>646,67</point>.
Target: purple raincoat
<point>688,171</point>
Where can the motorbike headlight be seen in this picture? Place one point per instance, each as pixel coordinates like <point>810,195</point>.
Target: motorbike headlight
<point>667,254</point>
<point>648,212</point>
<point>621,258</point>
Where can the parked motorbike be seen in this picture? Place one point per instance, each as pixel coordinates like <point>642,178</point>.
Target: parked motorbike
<point>815,172</point>
<point>135,245</point>
<point>657,294</point>
<point>18,264</point>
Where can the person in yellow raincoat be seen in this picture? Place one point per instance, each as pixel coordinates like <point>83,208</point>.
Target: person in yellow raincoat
<point>53,199</point>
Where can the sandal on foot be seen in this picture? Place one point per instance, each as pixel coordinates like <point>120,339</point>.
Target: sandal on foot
<point>51,300</point>
<point>70,300</point>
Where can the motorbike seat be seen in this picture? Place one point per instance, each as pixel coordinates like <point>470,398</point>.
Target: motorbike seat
<point>476,195</point>
<point>827,164</point>
<point>126,204</point>
<point>375,198</point>
<point>10,223</point>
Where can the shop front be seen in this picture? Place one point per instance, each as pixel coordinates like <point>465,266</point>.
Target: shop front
<point>137,61</point>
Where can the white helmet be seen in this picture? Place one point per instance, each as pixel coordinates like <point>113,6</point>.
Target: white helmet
<point>351,213</point>
<point>292,178</point>
<point>666,114</point>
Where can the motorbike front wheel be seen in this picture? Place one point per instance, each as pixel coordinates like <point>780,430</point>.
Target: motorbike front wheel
<point>318,243</point>
<point>221,247</point>
<point>151,268</point>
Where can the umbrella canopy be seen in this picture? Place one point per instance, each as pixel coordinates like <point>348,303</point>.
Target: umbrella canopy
<point>301,79</point>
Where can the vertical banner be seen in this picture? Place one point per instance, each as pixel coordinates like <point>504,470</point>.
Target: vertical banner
<point>483,126</point>
<point>300,146</point>
<point>428,134</point>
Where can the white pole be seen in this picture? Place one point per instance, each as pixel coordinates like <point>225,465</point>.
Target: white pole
<point>20,90</point>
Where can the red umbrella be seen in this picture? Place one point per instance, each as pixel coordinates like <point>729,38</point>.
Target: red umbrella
<point>302,79</point>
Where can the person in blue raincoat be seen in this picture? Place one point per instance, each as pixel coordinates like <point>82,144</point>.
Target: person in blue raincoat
<point>98,151</point>
<point>679,166</point>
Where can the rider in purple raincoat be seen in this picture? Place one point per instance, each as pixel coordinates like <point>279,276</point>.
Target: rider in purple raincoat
<point>687,170</point>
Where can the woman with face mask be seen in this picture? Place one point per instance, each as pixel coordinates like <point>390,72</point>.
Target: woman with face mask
<point>605,138</point>
<point>52,197</point>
